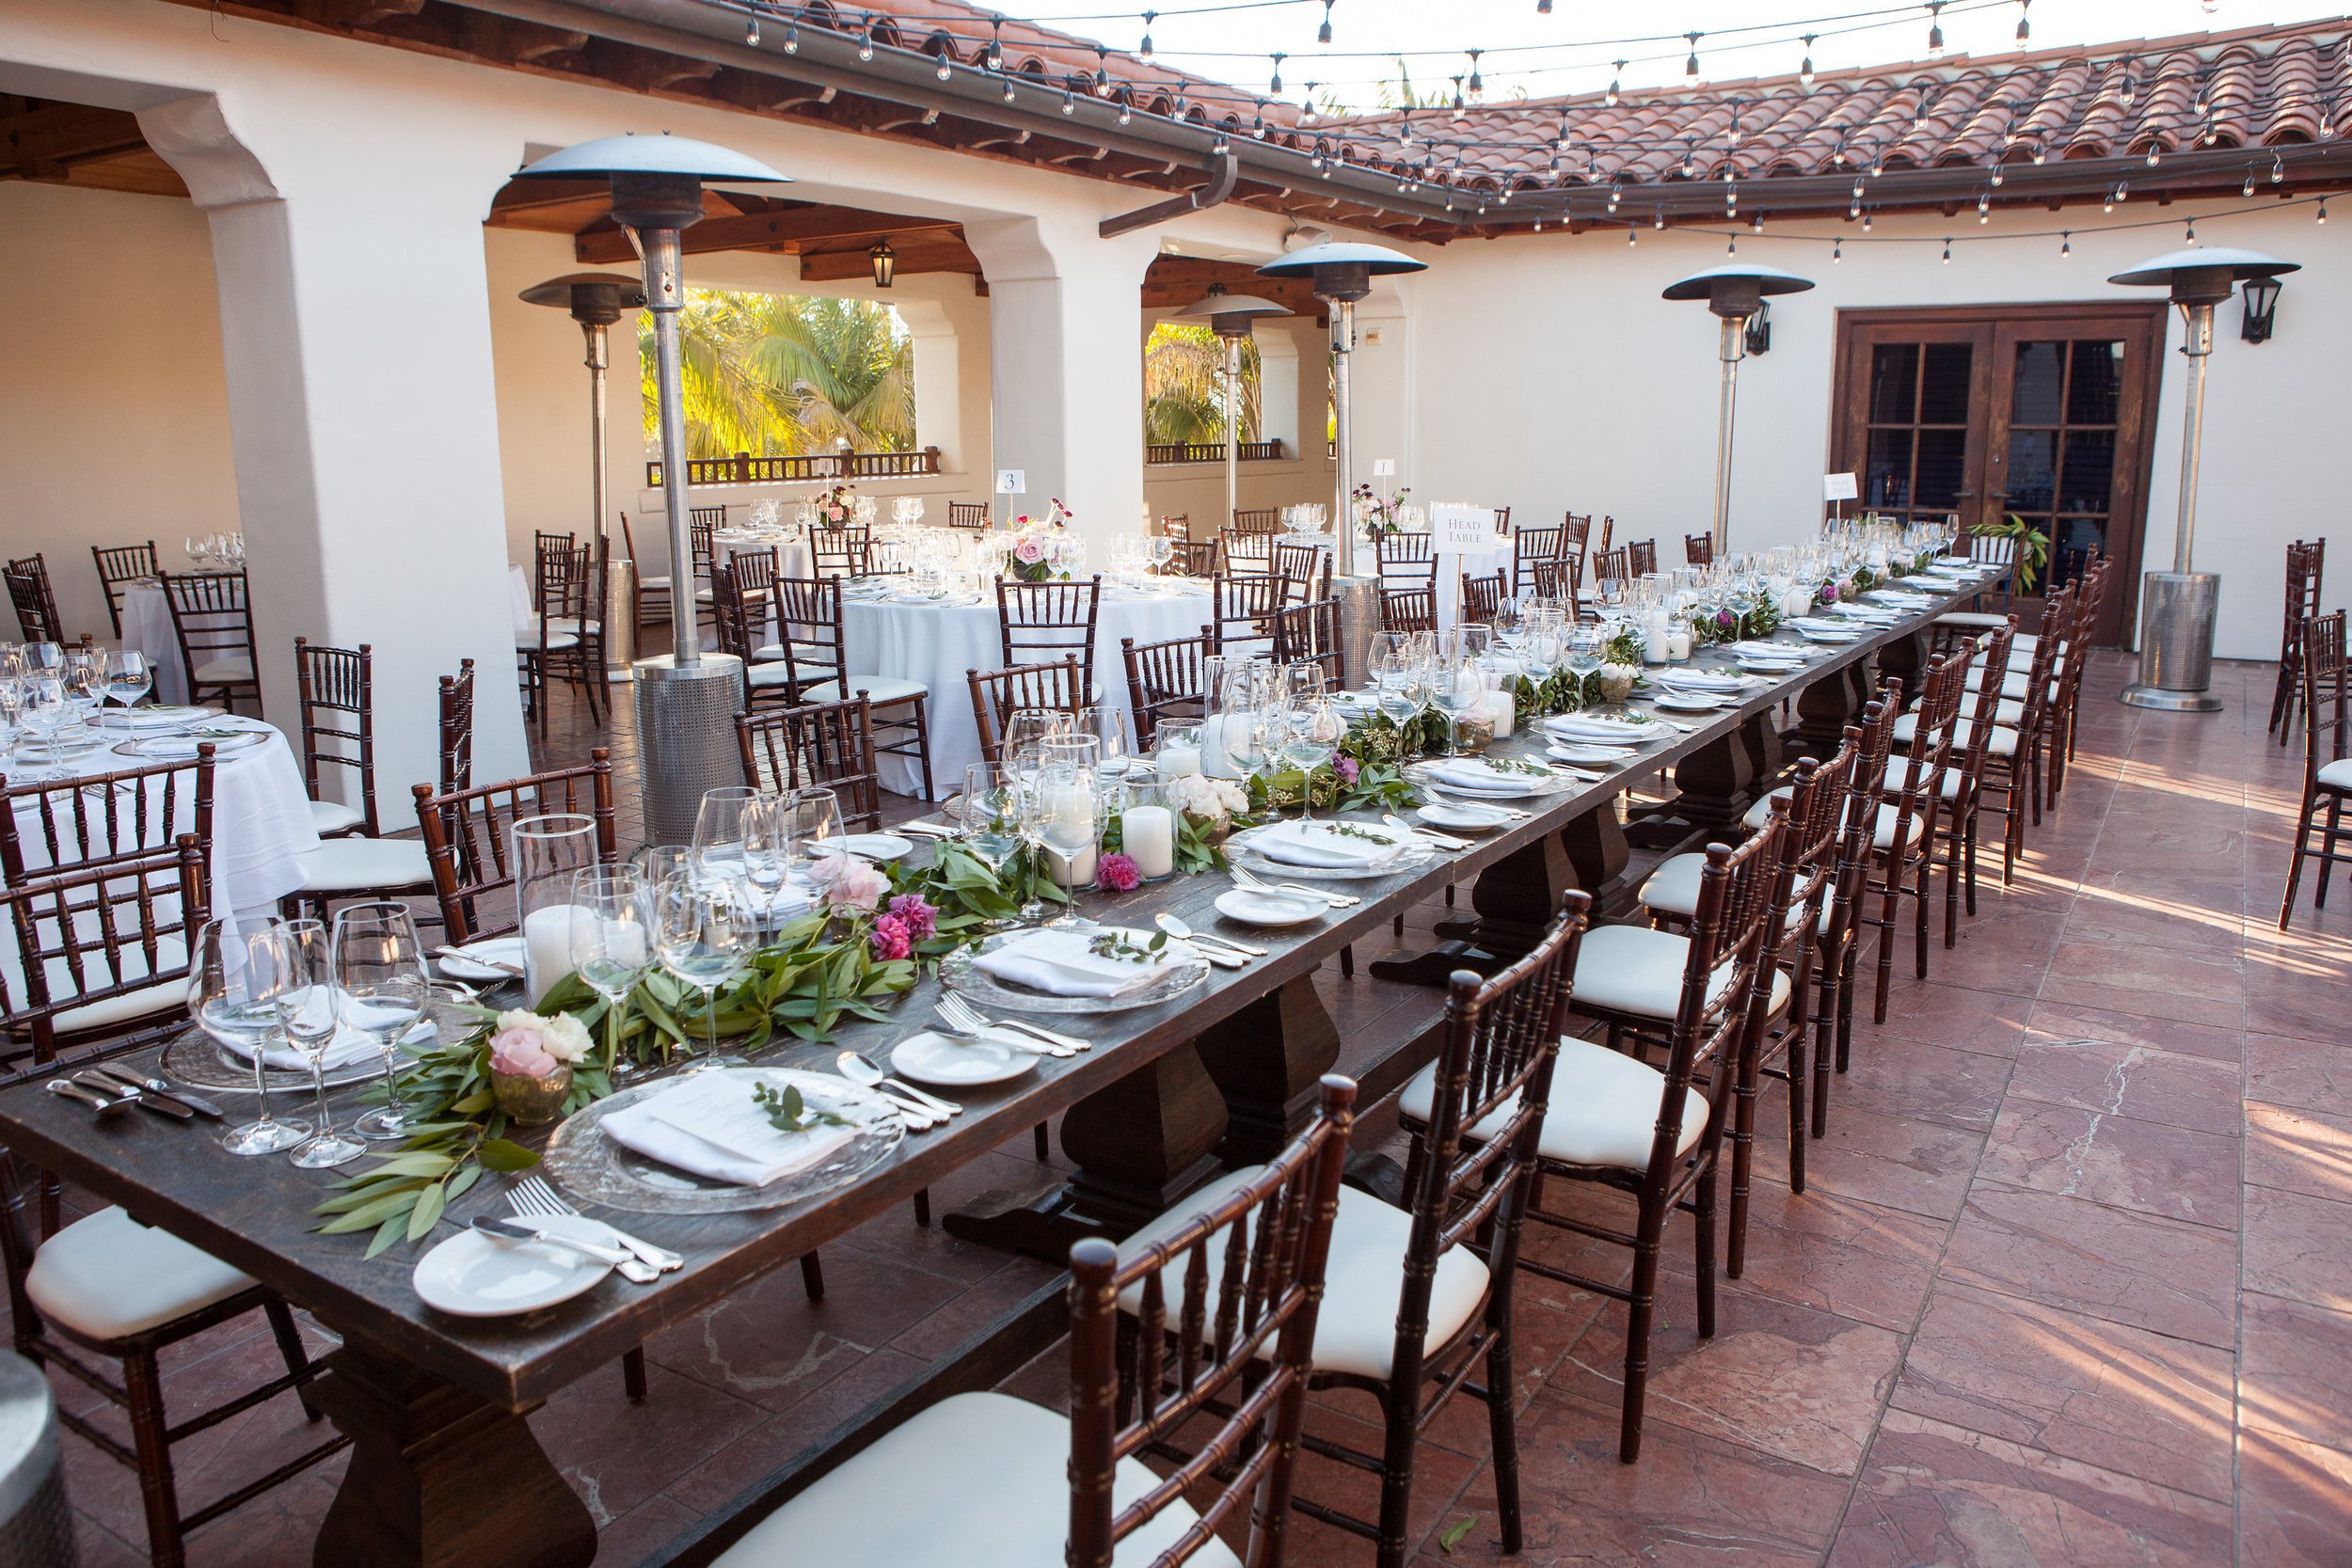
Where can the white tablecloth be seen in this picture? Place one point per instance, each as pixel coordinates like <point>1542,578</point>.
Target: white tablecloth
<point>937,644</point>
<point>526,613</point>
<point>147,626</point>
<point>1453,565</point>
<point>260,820</point>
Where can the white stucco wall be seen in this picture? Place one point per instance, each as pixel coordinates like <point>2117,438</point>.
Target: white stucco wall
<point>1569,385</point>
<point>114,411</point>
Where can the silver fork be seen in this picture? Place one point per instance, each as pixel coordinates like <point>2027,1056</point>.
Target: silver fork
<point>971,1017</point>
<point>532,1195</point>
<point>1337,900</point>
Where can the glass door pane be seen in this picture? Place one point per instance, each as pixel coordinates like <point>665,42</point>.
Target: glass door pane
<point>1915,430</point>
<point>2062,451</point>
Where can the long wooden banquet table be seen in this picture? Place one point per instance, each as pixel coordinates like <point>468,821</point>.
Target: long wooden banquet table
<point>444,1469</point>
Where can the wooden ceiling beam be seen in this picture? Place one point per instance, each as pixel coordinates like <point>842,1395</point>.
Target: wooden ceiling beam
<point>61,132</point>
<point>770,231</point>
<point>841,266</point>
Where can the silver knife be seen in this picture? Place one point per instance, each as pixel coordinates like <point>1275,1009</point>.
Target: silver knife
<point>196,1102</point>
<point>514,1230</point>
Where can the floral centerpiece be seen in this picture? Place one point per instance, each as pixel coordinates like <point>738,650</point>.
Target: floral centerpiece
<point>1039,550</point>
<point>835,504</point>
<point>1377,516</point>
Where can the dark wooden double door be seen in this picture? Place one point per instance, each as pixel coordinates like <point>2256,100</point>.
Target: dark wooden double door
<point>2042,412</point>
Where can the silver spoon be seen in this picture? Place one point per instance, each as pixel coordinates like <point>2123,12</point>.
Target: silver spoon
<point>1212,949</point>
<point>104,1106</point>
<point>1443,841</point>
<point>863,1069</point>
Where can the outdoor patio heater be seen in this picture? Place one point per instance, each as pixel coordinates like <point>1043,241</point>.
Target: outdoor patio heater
<point>1733,293</point>
<point>1229,316</point>
<point>2176,608</point>
<point>686,700</point>
<point>595,301</point>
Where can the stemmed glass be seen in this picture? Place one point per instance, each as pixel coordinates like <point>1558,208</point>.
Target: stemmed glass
<point>612,946</point>
<point>306,1012</point>
<point>1069,819</point>
<point>44,715</point>
<point>379,972</point>
<point>719,827</point>
<point>1454,684</point>
<point>84,692</point>
<point>1027,728</point>
<point>129,677</point>
<point>699,936</point>
<point>813,822</point>
<point>768,854</point>
<point>990,809</point>
<point>234,987</point>
<point>1107,724</point>
<point>1580,654</point>
<point>1311,736</point>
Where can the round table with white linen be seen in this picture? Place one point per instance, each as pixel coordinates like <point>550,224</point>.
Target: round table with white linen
<point>938,643</point>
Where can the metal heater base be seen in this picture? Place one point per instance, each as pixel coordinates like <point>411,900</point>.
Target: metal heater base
<point>2159,700</point>
<point>685,738</point>
<point>2176,620</point>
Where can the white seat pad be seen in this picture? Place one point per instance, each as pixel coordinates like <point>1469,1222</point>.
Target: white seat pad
<point>1674,887</point>
<point>1761,813</point>
<point>555,641</point>
<point>882,689</point>
<point>2337,774</point>
<point>109,1277</point>
<point>333,816</point>
<point>1603,1112</point>
<point>1972,620</point>
<point>166,995</point>
<point>979,1481</point>
<point>1899,773</point>
<point>1633,970</point>
<point>2005,716</point>
<point>349,865</point>
<point>223,670</point>
<point>1356,1330</point>
<point>768,678</point>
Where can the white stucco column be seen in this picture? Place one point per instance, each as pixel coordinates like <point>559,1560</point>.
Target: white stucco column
<point>1067,367</point>
<point>354,336</point>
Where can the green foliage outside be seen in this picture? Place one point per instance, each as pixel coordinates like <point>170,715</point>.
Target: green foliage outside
<point>1184,385</point>
<point>788,376</point>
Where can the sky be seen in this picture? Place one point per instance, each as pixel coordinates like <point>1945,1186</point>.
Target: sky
<point>1571,50</point>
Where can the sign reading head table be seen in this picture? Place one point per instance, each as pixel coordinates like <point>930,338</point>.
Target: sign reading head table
<point>1468,529</point>
<point>1838,487</point>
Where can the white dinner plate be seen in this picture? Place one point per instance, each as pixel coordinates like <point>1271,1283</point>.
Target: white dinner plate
<point>1463,816</point>
<point>1689,701</point>
<point>1586,753</point>
<point>930,1058</point>
<point>506,950</point>
<point>182,748</point>
<point>1271,910</point>
<point>1812,636</point>
<point>876,846</point>
<point>475,1276</point>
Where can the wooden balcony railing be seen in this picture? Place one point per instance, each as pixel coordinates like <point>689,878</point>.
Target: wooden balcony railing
<point>1210,451</point>
<point>743,468</point>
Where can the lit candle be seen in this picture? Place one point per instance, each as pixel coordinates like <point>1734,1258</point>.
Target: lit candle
<point>548,946</point>
<point>1216,748</point>
<point>1678,641</point>
<point>1502,709</point>
<point>1149,834</point>
<point>1178,759</point>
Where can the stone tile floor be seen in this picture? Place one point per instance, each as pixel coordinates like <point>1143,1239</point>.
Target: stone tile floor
<point>2072,1281</point>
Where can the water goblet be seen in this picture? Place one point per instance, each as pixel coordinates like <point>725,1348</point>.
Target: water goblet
<point>611,946</point>
<point>306,1012</point>
<point>233,985</point>
<point>382,990</point>
<point>1310,737</point>
<point>700,936</point>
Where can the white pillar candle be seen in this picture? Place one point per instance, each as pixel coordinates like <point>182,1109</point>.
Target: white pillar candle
<point>1656,644</point>
<point>548,946</point>
<point>1149,834</point>
<point>1678,645</point>
<point>1070,871</point>
<point>1179,760</point>
<point>1502,709</point>
<point>1216,749</point>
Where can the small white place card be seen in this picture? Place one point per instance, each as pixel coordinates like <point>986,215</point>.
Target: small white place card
<point>1462,529</point>
<point>1838,487</point>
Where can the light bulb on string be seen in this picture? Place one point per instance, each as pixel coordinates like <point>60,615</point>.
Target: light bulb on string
<point>1948,251</point>
<point>1306,110</point>
<point>1632,236</point>
<point>2066,243</point>
<point>1984,210</point>
<point>997,45</point>
<point>1657,218</point>
<point>1477,83</point>
<point>1007,89</point>
<point>2248,189</point>
<point>1276,86</point>
<point>2277,168</point>
<point>1102,73</point>
<point>1069,102</point>
<point>1690,166</point>
<point>1837,250</point>
<point>2024,27</point>
<point>1866,214</point>
<point>2323,209</point>
<point>2155,156</point>
<point>792,39</point>
<point>1616,192</point>
<point>1609,99</point>
<point>751,30</point>
<point>1755,222</point>
<point>1804,71</point>
<point>996,57</point>
<point>1691,66</point>
<point>2040,153</point>
<point>1257,124</point>
<point>2109,205</point>
<point>2190,238</point>
<point>866,41</point>
<point>1460,113</point>
<point>1126,115</point>
<point>1731,246</point>
<point>1877,165</point>
<point>1854,210</point>
<point>942,70</point>
<point>1323,34</point>
<point>1935,29</point>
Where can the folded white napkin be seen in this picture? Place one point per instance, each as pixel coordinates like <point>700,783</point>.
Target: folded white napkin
<point>1479,774</point>
<point>349,1046</point>
<point>1702,680</point>
<point>708,1124</point>
<point>1755,649</point>
<point>1059,964</point>
<point>1318,844</point>
<point>1581,726</point>
<point>156,718</point>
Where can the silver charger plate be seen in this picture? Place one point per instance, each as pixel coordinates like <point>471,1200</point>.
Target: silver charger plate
<point>196,1059</point>
<point>957,971</point>
<point>1423,774</point>
<point>585,1163</point>
<point>1417,853</point>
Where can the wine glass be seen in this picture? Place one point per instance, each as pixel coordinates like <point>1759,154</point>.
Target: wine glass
<point>813,823</point>
<point>989,815</point>
<point>12,708</point>
<point>768,853</point>
<point>379,972</point>
<point>612,946</point>
<point>1107,724</point>
<point>45,657</point>
<point>699,936</point>
<point>306,1012</point>
<point>719,825</point>
<point>1311,736</point>
<point>1026,727</point>
<point>84,692</point>
<point>1455,686</point>
<point>1246,739</point>
<point>1581,652</point>
<point>129,676</point>
<point>233,986</point>
<point>1069,820</point>
<point>44,713</point>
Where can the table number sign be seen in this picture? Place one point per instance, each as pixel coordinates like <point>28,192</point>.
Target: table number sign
<point>1838,487</point>
<point>1468,529</point>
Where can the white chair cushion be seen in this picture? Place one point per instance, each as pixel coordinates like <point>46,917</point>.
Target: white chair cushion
<point>1761,813</point>
<point>1635,970</point>
<point>1674,887</point>
<point>109,1278</point>
<point>2337,774</point>
<point>1899,773</point>
<point>1882,831</point>
<point>2006,716</point>
<point>576,627</point>
<point>980,1481</point>
<point>1972,620</point>
<point>352,865</point>
<point>768,678</point>
<point>223,671</point>
<point>333,816</point>
<point>529,639</point>
<point>882,689</point>
<point>661,583</point>
<point>1356,1330</point>
<point>767,655</point>
<point>169,994</point>
<point>1603,1112</point>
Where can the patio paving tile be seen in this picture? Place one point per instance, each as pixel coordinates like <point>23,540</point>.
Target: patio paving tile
<point>2134,1269</point>
<point>2139,1165</point>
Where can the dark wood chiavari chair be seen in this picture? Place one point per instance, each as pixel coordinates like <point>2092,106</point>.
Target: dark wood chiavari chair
<point>1408,609</point>
<point>1192,558</point>
<point>1309,633</point>
<point>2012,766</point>
<point>751,574</point>
<point>740,614</point>
<point>1164,680</point>
<point>1038,622</point>
<point>971,514</point>
<point>34,600</point>
<point>1574,531</point>
<point>544,543</point>
<point>2090,609</point>
<point>1176,524</point>
<point>2327,770</point>
<point>66,1294</point>
<point>706,517</point>
<point>1902,840</point>
<point>1608,526</point>
<point>830,744</point>
<point>2306,562</point>
<point>1699,549</point>
<point>655,591</point>
<point>1617,1122</point>
<point>1833,1011</point>
<point>1973,737</point>
<point>1407,561</point>
<point>1247,554</point>
<point>1534,546</point>
<point>1259,519</point>
<point>558,650</point>
<point>1204,1322</point>
<point>1563,582</point>
<point>1613,566</point>
<point>998,694</point>
<point>456,729</point>
<point>212,619</point>
<point>1305,571</point>
<point>50,826</point>
<point>1483,596</point>
<point>1642,557</point>
<point>337,690</point>
<point>468,834</point>
<point>808,628</point>
<point>117,567</point>
<point>1242,611</point>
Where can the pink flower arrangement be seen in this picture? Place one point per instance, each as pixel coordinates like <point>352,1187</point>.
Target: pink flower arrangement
<point>1118,873</point>
<point>845,882</point>
<point>891,940</point>
<point>1346,768</point>
<point>1028,552</point>
<point>920,919</point>
<point>526,1045</point>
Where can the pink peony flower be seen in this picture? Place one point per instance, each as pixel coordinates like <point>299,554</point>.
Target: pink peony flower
<point>1116,873</point>
<point>891,940</point>
<point>1346,768</point>
<point>1829,593</point>
<point>1028,552</point>
<point>920,919</point>
<point>517,1052</point>
<point>847,882</point>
